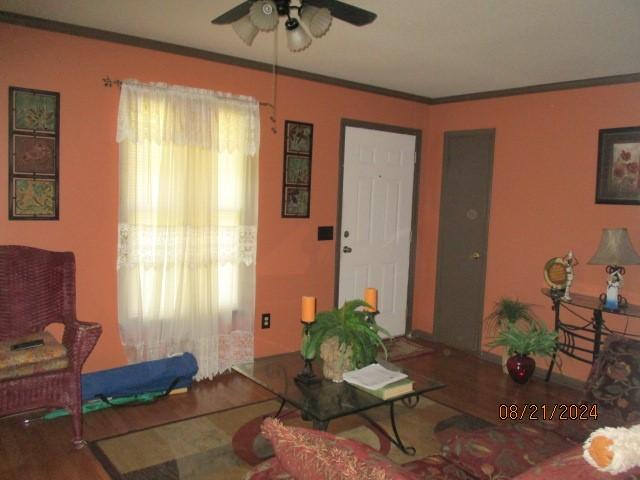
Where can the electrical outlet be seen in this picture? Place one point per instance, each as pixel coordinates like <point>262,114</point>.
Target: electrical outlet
<point>266,320</point>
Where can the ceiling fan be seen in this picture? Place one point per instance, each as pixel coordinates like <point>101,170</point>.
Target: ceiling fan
<point>253,16</point>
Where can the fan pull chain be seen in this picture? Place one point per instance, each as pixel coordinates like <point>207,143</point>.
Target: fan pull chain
<point>274,76</point>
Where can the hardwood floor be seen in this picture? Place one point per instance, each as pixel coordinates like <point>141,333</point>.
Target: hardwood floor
<point>43,450</point>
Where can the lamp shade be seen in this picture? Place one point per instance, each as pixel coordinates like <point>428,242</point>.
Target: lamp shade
<point>264,15</point>
<point>615,249</point>
<point>318,20</point>
<point>245,29</point>
<point>297,38</point>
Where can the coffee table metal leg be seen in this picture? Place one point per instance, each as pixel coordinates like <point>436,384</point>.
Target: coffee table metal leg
<point>282,402</point>
<point>406,449</point>
<point>318,425</point>
<point>398,443</point>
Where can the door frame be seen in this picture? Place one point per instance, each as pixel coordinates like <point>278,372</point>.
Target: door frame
<point>445,170</point>
<point>347,122</point>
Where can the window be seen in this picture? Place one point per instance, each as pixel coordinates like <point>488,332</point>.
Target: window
<point>188,214</point>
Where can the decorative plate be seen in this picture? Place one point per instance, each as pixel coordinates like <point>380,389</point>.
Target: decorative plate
<point>555,274</point>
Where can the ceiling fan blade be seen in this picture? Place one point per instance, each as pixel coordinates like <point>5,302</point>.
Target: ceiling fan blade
<point>236,13</point>
<point>343,11</point>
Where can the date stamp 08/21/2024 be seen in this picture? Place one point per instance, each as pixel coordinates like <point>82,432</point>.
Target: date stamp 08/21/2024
<point>557,411</point>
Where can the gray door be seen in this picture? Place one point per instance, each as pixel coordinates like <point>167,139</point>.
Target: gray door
<point>462,238</point>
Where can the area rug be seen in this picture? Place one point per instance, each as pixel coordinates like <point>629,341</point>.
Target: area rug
<point>225,445</point>
<point>401,348</point>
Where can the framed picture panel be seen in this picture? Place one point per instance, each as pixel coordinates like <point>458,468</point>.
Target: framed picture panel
<point>296,183</point>
<point>34,138</point>
<point>618,178</point>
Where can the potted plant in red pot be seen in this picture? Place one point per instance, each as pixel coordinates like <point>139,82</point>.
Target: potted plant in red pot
<point>507,312</point>
<point>520,343</point>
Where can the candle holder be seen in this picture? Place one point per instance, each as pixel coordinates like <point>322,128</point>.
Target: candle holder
<point>371,316</point>
<point>306,376</point>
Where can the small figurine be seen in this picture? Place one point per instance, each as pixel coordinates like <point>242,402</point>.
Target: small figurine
<point>569,262</point>
<point>614,284</point>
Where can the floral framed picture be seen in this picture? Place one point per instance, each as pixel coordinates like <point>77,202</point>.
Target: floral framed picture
<point>296,202</point>
<point>297,170</point>
<point>296,182</point>
<point>299,137</point>
<point>34,126</point>
<point>618,178</point>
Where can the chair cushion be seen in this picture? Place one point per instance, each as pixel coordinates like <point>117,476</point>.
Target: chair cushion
<point>613,382</point>
<point>20,363</point>
<point>315,455</point>
<point>504,451</point>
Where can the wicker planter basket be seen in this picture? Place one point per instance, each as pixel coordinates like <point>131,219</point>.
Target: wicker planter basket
<point>336,361</point>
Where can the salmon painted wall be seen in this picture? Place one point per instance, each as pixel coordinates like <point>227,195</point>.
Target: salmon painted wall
<point>543,198</point>
<point>291,262</point>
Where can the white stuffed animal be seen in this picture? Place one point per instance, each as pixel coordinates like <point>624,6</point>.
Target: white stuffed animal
<point>613,450</point>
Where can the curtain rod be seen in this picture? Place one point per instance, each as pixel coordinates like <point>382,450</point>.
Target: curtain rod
<point>109,82</point>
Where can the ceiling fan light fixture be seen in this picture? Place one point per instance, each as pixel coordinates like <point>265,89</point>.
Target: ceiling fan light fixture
<point>318,20</point>
<point>297,38</point>
<point>245,29</point>
<point>264,15</point>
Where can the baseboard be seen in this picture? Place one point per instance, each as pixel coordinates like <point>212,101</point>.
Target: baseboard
<point>422,335</point>
<point>540,372</point>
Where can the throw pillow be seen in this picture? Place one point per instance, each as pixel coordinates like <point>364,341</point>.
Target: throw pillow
<point>315,455</point>
<point>613,382</point>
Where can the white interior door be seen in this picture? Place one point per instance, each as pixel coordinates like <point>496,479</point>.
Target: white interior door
<point>375,235</point>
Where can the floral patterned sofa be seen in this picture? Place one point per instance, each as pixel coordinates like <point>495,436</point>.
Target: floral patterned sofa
<point>525,451</point>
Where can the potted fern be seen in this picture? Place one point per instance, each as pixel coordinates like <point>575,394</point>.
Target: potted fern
<point>507,312</point>
<point>347,338</point>
<point>520,342</point>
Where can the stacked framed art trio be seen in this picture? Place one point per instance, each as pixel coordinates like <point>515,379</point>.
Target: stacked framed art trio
<point>34,122</point>
<point>296,183</point>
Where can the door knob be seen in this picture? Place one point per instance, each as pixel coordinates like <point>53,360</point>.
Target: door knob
<point>346,249</point>
<point>475,255</point>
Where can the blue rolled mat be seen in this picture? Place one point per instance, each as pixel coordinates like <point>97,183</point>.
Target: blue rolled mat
<point>138,378</point>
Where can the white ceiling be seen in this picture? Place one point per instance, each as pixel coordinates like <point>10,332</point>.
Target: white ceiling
<point>431,48</point>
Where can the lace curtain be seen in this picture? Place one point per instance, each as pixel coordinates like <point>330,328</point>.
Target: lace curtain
<point>188,224</point>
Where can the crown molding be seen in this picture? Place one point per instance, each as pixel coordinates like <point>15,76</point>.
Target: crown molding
<point>105,35</point>
<point>546,87</point>
<point>97,34</point>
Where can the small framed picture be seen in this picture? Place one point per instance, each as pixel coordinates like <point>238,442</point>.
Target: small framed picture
<point>299,137</point>
<point>34,110</point>
<point>297,170</point>
<point>34,127</point>
<point>33,155</point>
<point>618,176</point>
<point>296,202</point>
<point>35,198</point>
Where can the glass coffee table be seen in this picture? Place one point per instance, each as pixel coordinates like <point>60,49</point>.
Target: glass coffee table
<point>325,401</point>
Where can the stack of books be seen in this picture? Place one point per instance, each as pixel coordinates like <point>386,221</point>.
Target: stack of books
<point>380,381</point>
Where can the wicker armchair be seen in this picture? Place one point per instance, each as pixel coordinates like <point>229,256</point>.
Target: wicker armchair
<point>37,288</point>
